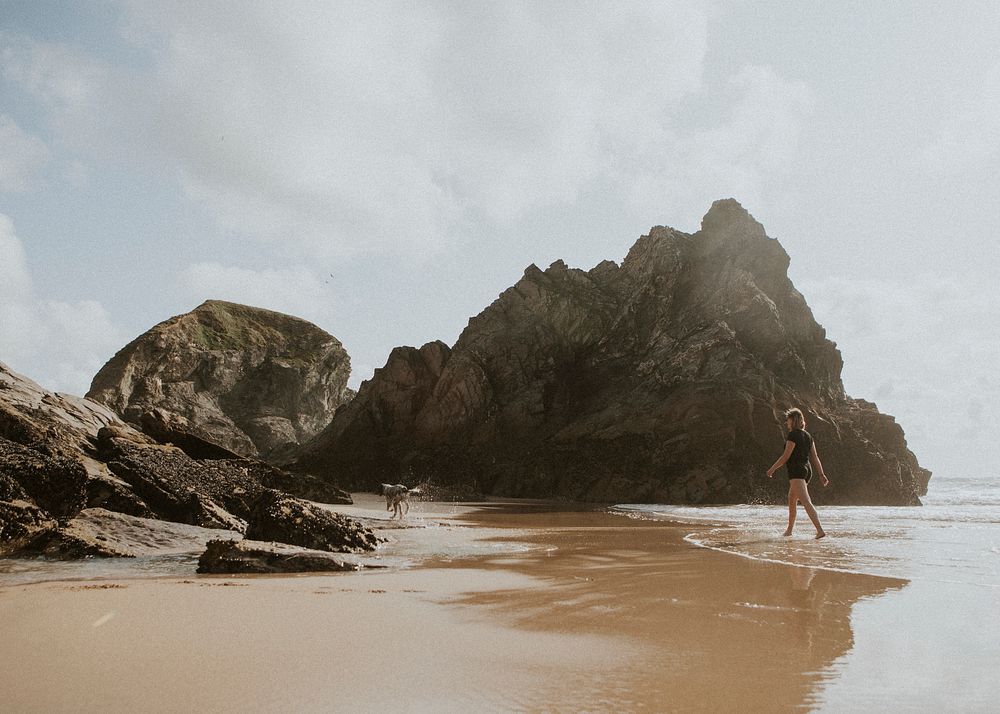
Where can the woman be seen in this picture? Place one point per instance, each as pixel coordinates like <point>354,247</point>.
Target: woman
<point>800,452</point>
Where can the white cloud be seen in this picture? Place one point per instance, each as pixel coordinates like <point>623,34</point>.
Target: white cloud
<point>295,291</point>
<point>22,155</point>
<point>77,174</point>
<point>970,136</point>
<point>394,127</point>
<point>338,127</point>
<point>741,155</point>
<point>60,345</point>
<point>75,87</point>
<point>15,281</point>
<point>886,330</point>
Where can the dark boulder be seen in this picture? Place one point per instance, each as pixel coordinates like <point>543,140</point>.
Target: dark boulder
<point>279,517</point>
<point>233,557</point>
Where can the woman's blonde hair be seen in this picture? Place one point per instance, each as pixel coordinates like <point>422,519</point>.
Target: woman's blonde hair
<point>798,420</point>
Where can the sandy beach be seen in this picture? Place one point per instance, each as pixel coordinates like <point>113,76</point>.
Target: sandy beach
<point>519,607</point>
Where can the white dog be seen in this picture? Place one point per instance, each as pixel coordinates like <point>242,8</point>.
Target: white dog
<point>396,497</point>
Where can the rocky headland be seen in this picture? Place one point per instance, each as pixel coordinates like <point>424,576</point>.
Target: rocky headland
<point>663,379</point>
<point>254,382</point>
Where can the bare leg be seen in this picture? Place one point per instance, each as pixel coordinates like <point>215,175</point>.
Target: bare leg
<point>792,500</point>
<point>802,495</point>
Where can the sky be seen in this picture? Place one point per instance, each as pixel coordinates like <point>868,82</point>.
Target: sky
<point>386,169</point>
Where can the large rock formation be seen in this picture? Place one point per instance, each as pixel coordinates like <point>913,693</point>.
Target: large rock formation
<point>660,380</point>
<point>252,381</point>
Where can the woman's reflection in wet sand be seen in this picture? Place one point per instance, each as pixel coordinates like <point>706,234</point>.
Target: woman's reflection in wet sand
<point>708,630</point>
<point>808,603</point>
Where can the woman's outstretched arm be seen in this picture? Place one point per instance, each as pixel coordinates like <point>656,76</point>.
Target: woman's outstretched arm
<point>789,448</point>
<point>814,460</point>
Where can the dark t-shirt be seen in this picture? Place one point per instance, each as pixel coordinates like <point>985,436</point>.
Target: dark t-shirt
<point>798,462</point>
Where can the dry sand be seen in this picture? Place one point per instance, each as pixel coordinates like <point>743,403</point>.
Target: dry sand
<point>518,608</point>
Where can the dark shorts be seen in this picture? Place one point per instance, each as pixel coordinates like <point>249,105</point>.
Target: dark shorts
<point>803,471</point>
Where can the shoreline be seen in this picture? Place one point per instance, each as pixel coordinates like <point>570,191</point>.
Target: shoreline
<point>501,606</point>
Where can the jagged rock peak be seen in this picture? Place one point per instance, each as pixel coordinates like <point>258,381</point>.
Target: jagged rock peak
<point>726,219</point>
<point>254,381</point>
<point>727,216</point>
<point>663,380</point>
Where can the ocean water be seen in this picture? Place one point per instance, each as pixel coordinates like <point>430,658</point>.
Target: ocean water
<point>953,538</point>
<point>932,644</point>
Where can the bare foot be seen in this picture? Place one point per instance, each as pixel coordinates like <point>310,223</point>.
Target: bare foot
<point>786,533</point>
<point>821,534</point>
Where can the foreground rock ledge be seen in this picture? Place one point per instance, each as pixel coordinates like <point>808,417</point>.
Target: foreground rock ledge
<point>77,482</point>
<point>227,557</point>
<point>97,533</point>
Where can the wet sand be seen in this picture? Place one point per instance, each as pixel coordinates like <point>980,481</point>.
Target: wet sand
<point>507,608</point>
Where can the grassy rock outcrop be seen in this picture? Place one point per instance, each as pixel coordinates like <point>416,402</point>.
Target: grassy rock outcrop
<point>252,381</point>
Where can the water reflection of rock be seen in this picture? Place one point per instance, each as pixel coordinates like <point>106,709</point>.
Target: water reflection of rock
<point>711,631</point>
